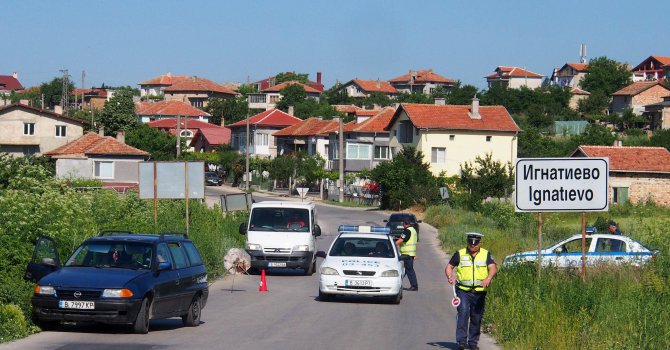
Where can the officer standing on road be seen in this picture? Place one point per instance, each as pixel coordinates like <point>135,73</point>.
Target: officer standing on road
<point>407,244</point>
<point>475,268</point>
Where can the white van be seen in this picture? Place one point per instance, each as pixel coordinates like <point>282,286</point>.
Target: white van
<point>282,234</point>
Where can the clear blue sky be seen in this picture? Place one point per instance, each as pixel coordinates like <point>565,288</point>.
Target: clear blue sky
<point>125,42</point>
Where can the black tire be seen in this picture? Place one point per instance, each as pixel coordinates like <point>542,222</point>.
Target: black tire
<point>325,297</point>
<point>309,270</point>
<point>192,318</point>
<point>141,324</point>
<point>396,299</point>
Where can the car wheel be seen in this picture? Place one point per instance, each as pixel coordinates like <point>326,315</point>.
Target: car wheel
<point>309,270</point>
<point>325,296</point>
<point>141,324</point>
<point>396,299</point>
<point>192,318</point>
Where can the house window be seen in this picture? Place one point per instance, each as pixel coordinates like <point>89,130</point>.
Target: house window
<point>336,150</point>
<point>274,99</point>
<point>358,151</point>
<point>61,130</point>
<point>405,132</point>
<point>186,133</point>
<point>438,155</point>
<point>619,195</point>
<point>452,137</point>
<point>327,150</point>
<point>488,138</point>
<point>104,169</point>
<point>381,152</point>
<point>29,128</point>
<point>197,102</point>
<point>261,139</point>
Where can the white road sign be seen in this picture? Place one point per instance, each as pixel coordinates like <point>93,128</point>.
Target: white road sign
<point>561,184</point>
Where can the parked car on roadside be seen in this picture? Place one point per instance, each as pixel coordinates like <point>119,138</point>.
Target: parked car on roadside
<point>213,179</point>
<point>394,222</point>
<point>119,277</point>
<point>600,249</point>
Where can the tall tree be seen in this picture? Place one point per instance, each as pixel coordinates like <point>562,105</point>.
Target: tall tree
<point>487,178</point>
<point>461,95</point>
<point>606,75</point>
<point>232,109</point>
<point>291,76</point>
<point>53,92</point>
<point>291,95</point>
<point>119,113</point>
<point>161,145</point>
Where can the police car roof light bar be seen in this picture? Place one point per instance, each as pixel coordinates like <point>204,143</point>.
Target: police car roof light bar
<point>363,229</point>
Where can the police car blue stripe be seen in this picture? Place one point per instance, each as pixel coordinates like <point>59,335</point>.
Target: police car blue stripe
<point>587,253</point>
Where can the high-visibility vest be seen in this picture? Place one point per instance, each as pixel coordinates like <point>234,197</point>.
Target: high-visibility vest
<point>409,247</point>
<point>471,273</point>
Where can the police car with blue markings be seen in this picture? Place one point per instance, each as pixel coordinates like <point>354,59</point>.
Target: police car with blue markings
<point>362,261</point>
<point>601,249</point>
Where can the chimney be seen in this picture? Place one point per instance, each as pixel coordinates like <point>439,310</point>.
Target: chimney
<point>15,75</point>
<point>223,121</point>
<point>474,111</point>
<point>101,131</point>
<point>379,84</point>
<point>121,136</point>
<point>290,110</point>
<point>318,77</point>
<point>58,109</point>
<point>440,101</point>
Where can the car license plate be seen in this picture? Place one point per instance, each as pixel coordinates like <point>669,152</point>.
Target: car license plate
<point>357,283</point>
<point>82,305</point>
<point>276,264</point>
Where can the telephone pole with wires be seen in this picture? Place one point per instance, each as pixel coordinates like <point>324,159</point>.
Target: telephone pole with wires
<point>65,94</point>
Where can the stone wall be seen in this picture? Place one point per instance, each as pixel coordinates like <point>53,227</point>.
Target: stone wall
<point>643,186</point>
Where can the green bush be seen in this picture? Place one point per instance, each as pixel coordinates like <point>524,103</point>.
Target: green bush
<point>13,324</point>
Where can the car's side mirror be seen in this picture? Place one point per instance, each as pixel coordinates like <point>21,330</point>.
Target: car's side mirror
<point>317,231</point>
<point>419,221</point>
<point>243,228</point>
<point>164,265</point>
<point>320,254</point>
<point>386,220</point>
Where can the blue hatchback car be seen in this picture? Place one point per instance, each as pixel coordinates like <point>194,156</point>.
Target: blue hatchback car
<point>119,277</point>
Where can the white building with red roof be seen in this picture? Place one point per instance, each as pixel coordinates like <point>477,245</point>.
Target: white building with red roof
<point>570,75</point>
<point>514,78</point>
<point>189,89</point>
<point>421,81</point>
<point>269,97</point>
<point>637,174</point>
<point>9,83</point>
<point>309,136</point>
<point>105,158</point>
<point>450,135</point>
<point>187,129</point>
<point>168,109</point>
<point>261,127</point>
<point>363,88</point>
<point>651,69</point>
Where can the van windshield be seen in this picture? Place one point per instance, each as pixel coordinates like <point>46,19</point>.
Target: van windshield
<point>279,219</point>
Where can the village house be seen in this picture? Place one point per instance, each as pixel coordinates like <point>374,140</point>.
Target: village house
<point>93,98</point>
<point>268,98</point>
<point>309,136</point>
<point>636,95</point>
<point>262,126</point>
<point>514,78</point>
<point>658,114</point>
<point>651,69</point>
<point>421,81</point>
<point>187,129</point>
<point>637,174</point>
<point>95,156</point>
<point>450,135</point>
<point>570,75</point>
<point>363,88</point>
<point>9,83</point>
<point>168,109</point>
<point>28,130</point>
<point>272,81</point>
<point>190,89</point>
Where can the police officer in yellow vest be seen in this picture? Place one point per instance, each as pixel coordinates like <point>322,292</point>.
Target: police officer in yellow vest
<point>474,268</point>
<point>407,244</point>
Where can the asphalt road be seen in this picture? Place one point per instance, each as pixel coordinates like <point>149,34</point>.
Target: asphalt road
<point>289,316</point>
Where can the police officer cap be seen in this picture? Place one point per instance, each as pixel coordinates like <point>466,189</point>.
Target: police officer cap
<point>474,235</point>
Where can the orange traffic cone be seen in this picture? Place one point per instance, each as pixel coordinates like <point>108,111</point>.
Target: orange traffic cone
<point>263,286</point>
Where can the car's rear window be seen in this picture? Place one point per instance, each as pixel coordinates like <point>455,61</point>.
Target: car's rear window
<point>130,255</point>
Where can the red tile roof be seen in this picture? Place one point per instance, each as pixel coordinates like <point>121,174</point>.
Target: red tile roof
<point>578,91</point>
<point>366,112</point>
<point>171,123</point>
<point>90,92</point>
<point>456,117</point>
<point>631,159</point>
<point>580,67</point>
<point>93,144</point>
<point>285,84</point>
<point>376,123</point>
<point>199,84</point>
<point>213,136</point>
<point>638,87</point>
<point>346,108</point>
<point>165,79</point>
<point>169,108</point>
<point>8,83</point>
<point>44,111</point>
<point>375,86</point>
<point>512,72</point>
<point>422,76</point>
<point>271,118</point>
<point>662,60</point>
<point>308,127</point>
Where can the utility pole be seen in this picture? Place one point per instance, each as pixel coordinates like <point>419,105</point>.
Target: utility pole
<point>65,93</point>
<point>178,136</point>
<point>83,78</point>
<point>341,158</point>
<point>246,174</point>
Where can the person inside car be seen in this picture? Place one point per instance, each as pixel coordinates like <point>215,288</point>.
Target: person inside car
<point>348,249</point>
<point>296,221</point>
<point>381,250</point>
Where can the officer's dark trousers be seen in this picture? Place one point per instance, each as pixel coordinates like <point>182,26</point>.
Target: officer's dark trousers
<point>469,319</point>
<point>409,270</point>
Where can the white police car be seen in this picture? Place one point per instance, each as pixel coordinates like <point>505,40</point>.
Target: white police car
<point>361,261</point>
<point>600,249</point>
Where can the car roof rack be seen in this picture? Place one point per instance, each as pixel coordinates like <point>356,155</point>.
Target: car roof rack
<point>364,229</point>
<point>111,232</point>
<point>173,233</point>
